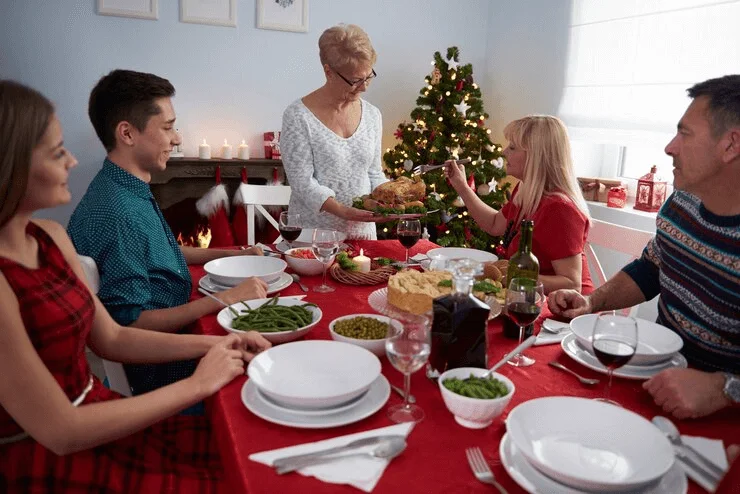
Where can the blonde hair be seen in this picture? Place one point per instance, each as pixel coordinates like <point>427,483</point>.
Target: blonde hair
<point>549,166</point>
<point>345,45</point>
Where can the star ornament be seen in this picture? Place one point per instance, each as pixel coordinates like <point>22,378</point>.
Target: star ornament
<point>462,108</point>
<point>452,64</point>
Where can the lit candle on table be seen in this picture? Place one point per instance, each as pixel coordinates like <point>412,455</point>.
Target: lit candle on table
<point>243,151</point>
<point>363,263</point>
<point>226,150</point>
<point>204,151</point>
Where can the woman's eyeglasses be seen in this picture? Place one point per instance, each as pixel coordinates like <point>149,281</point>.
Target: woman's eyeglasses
<point>358,82</point>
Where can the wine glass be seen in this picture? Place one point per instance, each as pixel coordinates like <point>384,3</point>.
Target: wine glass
<point>408,233</point>
<point>614,342</point>
<point>325,246</point>
<point>290,227</point>
<point>524,299</point>
<point>407,346</point>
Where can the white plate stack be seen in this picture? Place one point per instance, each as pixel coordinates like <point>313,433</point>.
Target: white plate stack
<point>315,384</point>
<point>566,445</point>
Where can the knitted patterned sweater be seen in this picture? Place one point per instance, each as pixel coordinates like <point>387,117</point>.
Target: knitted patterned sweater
<point>693,263</point>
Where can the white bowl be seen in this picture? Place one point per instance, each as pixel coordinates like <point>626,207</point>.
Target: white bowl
<point>230,271</point>
<point>375,346</point>
<point>314,374</point>
<point>225,317</point>
<point>474,413</point>
<point>304,267</point>
<point>588,444</point>
<point>306,236</point>
<point>463,253</point>
<point>655,343</point>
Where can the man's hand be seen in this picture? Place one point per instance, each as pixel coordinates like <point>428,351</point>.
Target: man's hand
<point>688,393</point>
<point>568,303</point>
<point>250,251</point>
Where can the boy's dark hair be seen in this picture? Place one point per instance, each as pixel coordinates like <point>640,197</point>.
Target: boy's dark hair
<point>724,101</point>
<point>125,95</point>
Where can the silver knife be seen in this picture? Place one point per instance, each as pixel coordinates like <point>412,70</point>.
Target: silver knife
<point>357,443</point>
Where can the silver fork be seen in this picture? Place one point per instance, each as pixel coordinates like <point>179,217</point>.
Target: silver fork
<point>480,468</point>
<point>421,169</point>
<point>584,380</point>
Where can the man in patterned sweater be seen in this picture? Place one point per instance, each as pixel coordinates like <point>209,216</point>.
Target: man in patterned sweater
<point>693,262</point>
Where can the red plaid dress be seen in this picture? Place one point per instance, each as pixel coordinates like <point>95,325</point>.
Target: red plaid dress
<point>174,456</point>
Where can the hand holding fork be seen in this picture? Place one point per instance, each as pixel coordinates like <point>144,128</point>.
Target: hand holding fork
<point>421,169</point>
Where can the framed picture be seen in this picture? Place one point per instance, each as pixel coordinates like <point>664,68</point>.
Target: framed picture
<point>216,12</point>
<point>139,9</point>
<point>283,15</point>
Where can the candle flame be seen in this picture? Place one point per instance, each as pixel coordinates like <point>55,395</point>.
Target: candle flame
<point>244,143</point>
<point>360,251</point>
<point>225,143</point>
<point>204,142</point>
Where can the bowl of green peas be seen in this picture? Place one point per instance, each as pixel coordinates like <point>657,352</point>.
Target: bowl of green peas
<point>366,330</point>
<point>279,320</point>
<point>473,400</point>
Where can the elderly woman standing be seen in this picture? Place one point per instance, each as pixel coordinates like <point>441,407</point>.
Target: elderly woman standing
<point>331,138</point>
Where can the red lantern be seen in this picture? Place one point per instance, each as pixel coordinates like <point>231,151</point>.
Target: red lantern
<point>650,192</point>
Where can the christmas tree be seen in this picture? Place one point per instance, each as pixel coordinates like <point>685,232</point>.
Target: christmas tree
<point>449,123</point>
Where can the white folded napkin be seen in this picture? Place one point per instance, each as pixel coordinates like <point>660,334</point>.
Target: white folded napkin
<point>548,338</point>
<point>712,449</point>
<point>418,257</point>
<point>361,472</point>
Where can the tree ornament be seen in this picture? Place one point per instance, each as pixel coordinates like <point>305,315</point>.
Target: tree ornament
<point>436,76</point>
<point>446,216</point>
<point>425,234</point>
<point>498,162</point>
<point>408,165</point>
<point>500,251</point>
<point>452,64</point>
<point>399,133</point>
<point>471,181</point>
<point>462,108</point>
<point>468,234</point>
<point>459,85</point>
<point>458,202</point>
<point>483,190</point>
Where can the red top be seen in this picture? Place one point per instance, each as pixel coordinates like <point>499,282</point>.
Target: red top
<point>560,231</point>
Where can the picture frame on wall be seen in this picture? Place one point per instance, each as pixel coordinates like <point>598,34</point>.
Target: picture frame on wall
<point>138,9</point>
<point>283,15</point>
<point>214,12</point>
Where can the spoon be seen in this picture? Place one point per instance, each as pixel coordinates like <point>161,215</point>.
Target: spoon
<point>584,380</point>
<point>669,429</point>
<point>297,279</point>
<point>387,447</point>
<point>398,390</point>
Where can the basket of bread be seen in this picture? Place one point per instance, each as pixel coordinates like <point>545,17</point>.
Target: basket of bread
<point>345,270</point>
<point>401,197</point>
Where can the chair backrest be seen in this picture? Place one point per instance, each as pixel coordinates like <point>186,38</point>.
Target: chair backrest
<point>617,238</point>
<point>257,196</point>
<point>114,371</point>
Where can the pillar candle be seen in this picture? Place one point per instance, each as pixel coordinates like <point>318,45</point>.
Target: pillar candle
<point>363,263</point>
<point>243,151</point>
<point>204,151</point>
<point>226,150</point>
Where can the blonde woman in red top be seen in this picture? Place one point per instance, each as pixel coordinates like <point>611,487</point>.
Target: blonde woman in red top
<point>539,156</point>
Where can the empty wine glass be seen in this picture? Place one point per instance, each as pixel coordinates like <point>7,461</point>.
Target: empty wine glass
<point>614,342</point>
<point>408,233</point>
<point>290,227</point>
<point>325,246</point>
<point>524,298</point>
<point>408,346</point>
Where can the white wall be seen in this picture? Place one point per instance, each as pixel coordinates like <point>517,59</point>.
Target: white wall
<point>231,82</point>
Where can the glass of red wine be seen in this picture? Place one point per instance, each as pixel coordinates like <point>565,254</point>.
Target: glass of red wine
<point>408,233</point>
<point>290,227</point>
<point>614,342</point>
<point>524,299</point>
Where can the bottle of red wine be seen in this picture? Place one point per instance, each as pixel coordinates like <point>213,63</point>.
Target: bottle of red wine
<point>460,322</point>
<point>523,264</point>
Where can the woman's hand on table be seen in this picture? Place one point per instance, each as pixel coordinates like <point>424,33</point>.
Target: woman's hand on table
<point>252,343</point>
<point>222,363</point>
<point>455,173</point>
<point>249,289</point>
<point>688,393</point>
<point>568,303</point>
<point>250,251</point>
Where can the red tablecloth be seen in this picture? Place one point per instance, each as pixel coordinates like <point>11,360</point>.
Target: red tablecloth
<point>435,458</point>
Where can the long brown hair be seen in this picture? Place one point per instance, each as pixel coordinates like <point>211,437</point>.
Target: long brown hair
<point>24,117</point>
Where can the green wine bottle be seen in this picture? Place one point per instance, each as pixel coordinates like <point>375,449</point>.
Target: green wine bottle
<point>524,264</point>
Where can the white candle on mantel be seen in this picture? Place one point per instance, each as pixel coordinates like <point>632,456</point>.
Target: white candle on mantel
<point>204,151</point>
<point>226,150</point>
<point>243,150</point>
<point>363,263</point>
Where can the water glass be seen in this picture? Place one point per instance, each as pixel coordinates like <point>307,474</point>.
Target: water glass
<point>325,246</point>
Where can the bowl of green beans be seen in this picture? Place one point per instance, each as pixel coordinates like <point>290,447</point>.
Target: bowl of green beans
<point>473,400</point>
<point>366,330</point>
<point>277,319</point>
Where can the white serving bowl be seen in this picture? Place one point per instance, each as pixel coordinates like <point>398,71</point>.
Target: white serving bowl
<point>225,317</point>
<point>314,374</point>
<point>589,444</point>
<point>463,253</point>
<point>474,413</point>
<point>304,267</point>
<point>230,271</point>
<point>375,346</point>
<point>655,343</point>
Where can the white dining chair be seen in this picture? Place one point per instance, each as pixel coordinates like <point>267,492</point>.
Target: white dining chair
<point>256,197</point>
<point>616,238</point>
<point>114,371</point>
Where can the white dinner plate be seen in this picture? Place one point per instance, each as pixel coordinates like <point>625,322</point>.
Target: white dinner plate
<point>369,403</point>
<point>589,444</point>
<point>285,280</point>
<point>309,412</point>
<point>225,318</point>
<point>574,350</point>
<point>536,482</point>
<point>378,300</point>
<point>463,253</point>
<point>655,343</point>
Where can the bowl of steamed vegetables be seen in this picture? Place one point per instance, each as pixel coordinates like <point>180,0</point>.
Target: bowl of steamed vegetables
<point>277,319</point>
<point>474,400</point>
<point>366,330</point>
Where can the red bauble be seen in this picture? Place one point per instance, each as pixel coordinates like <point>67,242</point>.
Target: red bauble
<point>399,134</point>
<point>500,251</point>
<point>460,85</point>
<point>471,181</point>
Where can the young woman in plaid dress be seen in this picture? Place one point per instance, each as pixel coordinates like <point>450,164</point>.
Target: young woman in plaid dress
<point>61,430</point>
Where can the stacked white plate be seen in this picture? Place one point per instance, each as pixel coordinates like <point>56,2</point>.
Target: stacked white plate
<point>283,282</point>
<point>315,384</point>
<point>230,271</point>
<point>572,445</point>
<point>657,348</point>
